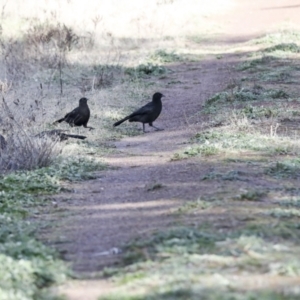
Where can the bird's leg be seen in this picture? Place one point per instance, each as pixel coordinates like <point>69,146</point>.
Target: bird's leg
<point>88,127</point>
<point>158,129</point>
<point>144,128</point>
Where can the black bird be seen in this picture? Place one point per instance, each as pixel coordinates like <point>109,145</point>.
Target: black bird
<point>146,114</point>
<point>58,134</point>
<point>78,116</point>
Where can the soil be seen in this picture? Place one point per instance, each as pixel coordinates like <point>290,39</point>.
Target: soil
<point>141,192</point>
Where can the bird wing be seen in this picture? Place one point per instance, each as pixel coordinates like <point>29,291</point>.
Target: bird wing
<point>146,109</point>
<point>73,115</point>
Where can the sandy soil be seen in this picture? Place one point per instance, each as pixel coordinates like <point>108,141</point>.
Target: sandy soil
<point>123,203</point>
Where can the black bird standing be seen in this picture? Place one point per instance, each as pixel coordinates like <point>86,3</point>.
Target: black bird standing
<point>78,116</point>
<point>58,134</point>
<point>146,114</point>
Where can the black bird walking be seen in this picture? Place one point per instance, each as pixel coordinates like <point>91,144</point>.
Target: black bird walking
<point>58,134</point>
<point>78,116</point>
<point>146,114</point>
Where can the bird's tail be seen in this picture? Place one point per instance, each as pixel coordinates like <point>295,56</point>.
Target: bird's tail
<point>81,137</point>
<point>58,121</point>
<point>121,121</point>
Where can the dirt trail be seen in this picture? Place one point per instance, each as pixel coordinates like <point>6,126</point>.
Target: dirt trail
<point>125,202</point>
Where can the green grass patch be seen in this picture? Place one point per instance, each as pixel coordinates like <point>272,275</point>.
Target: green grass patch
<point>286,230</point>
<point>163,56</point>
<point>196,150</point>
<point>283,213</point>
<point>173,242</point>
<point>199,262</point>
<point>252,195</point>
<point>279,38</point>
<point>230,140</point>
<point>76,169</point>
<point>207,294</point>
<point>192,206</point>
<point>273,64</point>
<point>279,75</point>
<point>289,202</point>
<point>284,169</point>
<point>148,69</point>
<point>28,267</point>
<point>284,47</point>
<point>232,175</point>
<point>258,112</point>
<point>257,63</point>
<point>246,94</point>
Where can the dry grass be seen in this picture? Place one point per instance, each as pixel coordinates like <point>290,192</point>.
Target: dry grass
<point>155,18</point>
<point>54,53</point>
<point>23,151</point>
<point>39,39</point>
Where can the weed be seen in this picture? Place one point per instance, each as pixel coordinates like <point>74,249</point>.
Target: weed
<point>240,135</point>
<point>258,112</point>
<point>23,151</point>
<point>28,266</point>
<point>195,150</point>
<point>29,278</point>
<point>252,195</point>
<point>230,175</point>
<point>246,94</point>
<point>283,213</point>
<point>43,45</point>
<point>175,292</point>
<point>285,47</point>
<point>292,202</point>
<point>199,39</point>
<point>175,82</point>
<point>146,70</point>
<point>76,169</point>
<point>192,206</point>
<point>102,77</point>
<point>284,169</point>
<point>276,76</point>
<point>163,56</point>
<point>153,187</point>
<point>55,35</point>
<point>279,38</point>
<point>269,230</point>
<point>29,182</point>
<point>198,254</point>
<point>255,63</point>
<point>177,241</point>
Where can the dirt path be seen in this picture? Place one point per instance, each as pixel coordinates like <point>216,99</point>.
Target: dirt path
<point>124,203</point>
<point>140,194</point>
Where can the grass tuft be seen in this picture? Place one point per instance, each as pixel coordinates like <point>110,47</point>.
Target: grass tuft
<point>143,70</point>
<point>284,169</point>
<point>163,56</point>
